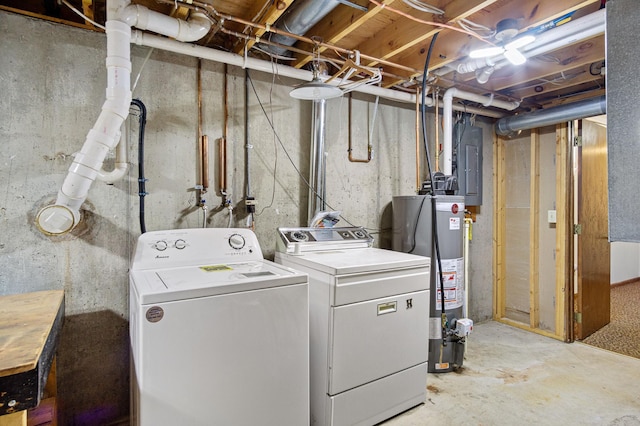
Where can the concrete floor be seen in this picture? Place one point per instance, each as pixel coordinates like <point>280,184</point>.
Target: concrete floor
<point>514,377</point>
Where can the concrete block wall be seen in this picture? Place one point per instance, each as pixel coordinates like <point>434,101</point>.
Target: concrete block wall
<point>53,85</point>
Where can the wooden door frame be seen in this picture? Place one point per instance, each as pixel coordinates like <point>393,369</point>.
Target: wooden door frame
<point>564,236</point>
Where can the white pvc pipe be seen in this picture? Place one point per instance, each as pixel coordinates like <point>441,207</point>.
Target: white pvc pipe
<point>564,35</point>
<point>140,17</point>
<point>64,215</point>
<point>447,113</point>
<point>465,255</point>
<point>121,165</point>
<point>149,40</point>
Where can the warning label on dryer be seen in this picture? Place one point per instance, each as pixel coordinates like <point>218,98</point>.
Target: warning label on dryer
<point>453,277</point>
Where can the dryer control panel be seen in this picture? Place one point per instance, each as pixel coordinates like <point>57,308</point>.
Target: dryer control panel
<point>300,240</point>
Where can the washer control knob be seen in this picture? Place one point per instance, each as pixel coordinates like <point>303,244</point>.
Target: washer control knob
<point>180,244</point>
<point>299,236</point>
<point>359,234</point>
<point>161,245</point>
<point>236,241</point>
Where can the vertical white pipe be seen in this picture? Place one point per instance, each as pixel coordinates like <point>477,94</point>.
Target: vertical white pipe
<point>465,255</point>
<point>447,112</point>
<point>64,215</point>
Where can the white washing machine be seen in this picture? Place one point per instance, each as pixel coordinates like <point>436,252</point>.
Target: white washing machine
<point>369,317</point>
<point>219,336</point>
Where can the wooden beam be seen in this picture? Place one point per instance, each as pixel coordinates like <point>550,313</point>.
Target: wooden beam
<point>575,98</point>
<point>571,57</point>
<point>405,33</point>
<point>499,228</point>
<point>456,45</point>
<point>553,82</point>
<point>564,262</point>
<point>50,19</point>
<point>534,231</point>
<point>180,13</point>
<point>342,22</point>
<point>87,9</point>
<point>271,15</point>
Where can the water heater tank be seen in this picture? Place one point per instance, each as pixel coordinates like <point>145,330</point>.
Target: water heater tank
<point>413,232</point>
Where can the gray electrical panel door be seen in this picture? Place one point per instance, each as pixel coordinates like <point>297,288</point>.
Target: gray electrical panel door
<point>469,170</point>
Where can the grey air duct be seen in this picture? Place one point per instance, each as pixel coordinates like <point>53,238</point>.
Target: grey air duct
<point>546,117</point>
<point>298,20</point>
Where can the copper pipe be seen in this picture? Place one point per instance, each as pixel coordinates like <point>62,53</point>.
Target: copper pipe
<point>222,142</point>
<point>315,42</point>
<point>350,149</point>
<point>222,169</point>
<point>196,5</point>
<point>205,163</point>
<point>200,161</point>
<point>417,139</point>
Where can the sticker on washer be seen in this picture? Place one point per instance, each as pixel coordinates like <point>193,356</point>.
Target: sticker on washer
<point>216,268</point>
<point>154,314</point>
<point>453,278</point>
<point>454,223</point>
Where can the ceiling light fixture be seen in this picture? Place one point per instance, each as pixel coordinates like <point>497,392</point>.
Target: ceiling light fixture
<point>316,89</point>
<point>506,30</point>
<point>510,50</point>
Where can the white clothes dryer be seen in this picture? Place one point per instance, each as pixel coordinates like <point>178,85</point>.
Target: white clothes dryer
<point>219,335</point>
<point>369,316</point>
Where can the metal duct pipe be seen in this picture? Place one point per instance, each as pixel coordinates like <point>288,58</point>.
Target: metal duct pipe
<point>317,176</point>
<point>298,20</point>
<point>547,117</point>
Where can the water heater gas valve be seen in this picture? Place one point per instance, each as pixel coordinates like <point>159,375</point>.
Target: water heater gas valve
<point>464,327</point>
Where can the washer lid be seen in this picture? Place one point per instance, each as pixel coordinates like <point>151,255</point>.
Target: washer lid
<point>165,285</point>
<point>352,261</point>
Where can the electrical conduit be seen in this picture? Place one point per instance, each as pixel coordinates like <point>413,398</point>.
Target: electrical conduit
<point>64,215</point>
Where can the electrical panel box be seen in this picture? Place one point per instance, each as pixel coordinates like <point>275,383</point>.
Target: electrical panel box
<point>468,140</point>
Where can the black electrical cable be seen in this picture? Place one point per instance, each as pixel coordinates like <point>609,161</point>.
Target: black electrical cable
<point>142,121</point>
<point>433,198</point>
<point>425,72</point>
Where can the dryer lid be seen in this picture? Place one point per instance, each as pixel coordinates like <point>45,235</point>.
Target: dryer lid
<point>353,261</point>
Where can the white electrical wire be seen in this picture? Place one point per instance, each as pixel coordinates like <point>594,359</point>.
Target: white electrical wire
<point>135,83</point>
<point>82,15</point>
<point>477,29</point>
<point>204,215</point>
<point>230,207</point>
<point>273,55</point>
<point>424,7</point>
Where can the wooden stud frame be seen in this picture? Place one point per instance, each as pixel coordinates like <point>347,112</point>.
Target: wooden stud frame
<point>563,241</point>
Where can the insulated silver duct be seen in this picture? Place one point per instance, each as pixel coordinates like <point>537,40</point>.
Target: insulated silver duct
<point>298,20</point>
<point>317,168</point>
<point>547,117</point>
